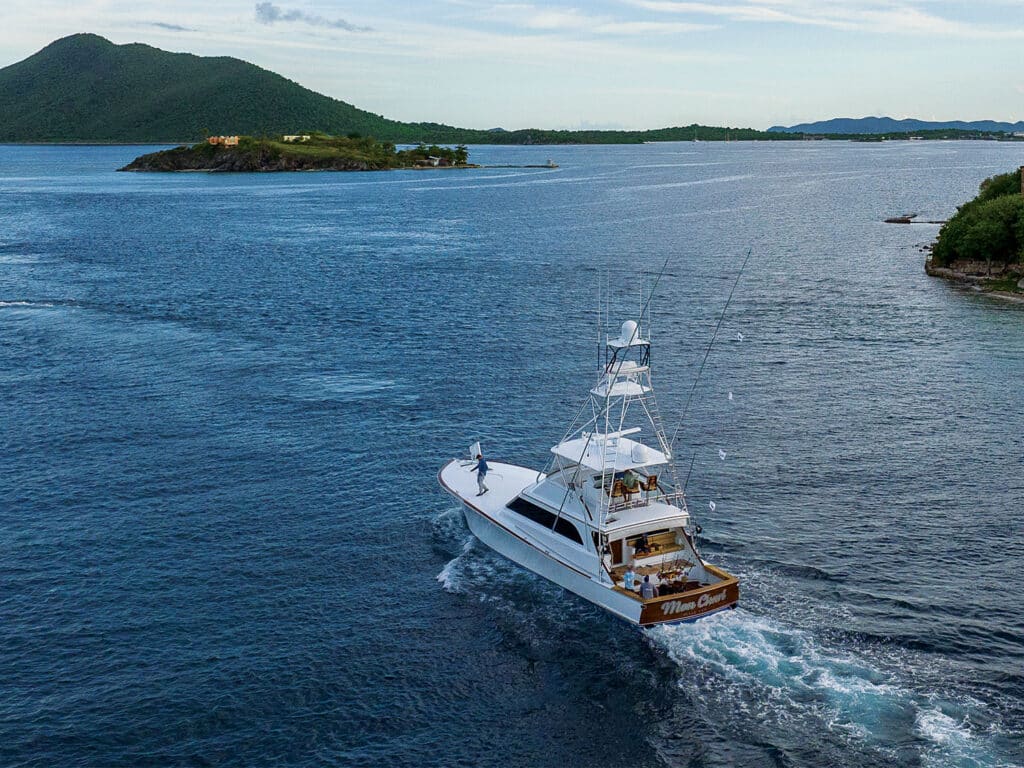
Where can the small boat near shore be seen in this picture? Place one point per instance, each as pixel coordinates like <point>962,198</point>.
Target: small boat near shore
<point>608,512</point>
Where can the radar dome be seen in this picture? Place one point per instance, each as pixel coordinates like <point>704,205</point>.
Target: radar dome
<point>629,332</point>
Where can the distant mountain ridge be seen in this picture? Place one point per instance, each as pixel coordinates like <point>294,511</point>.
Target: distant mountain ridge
<point>84,88</point>
<point>866,125</point>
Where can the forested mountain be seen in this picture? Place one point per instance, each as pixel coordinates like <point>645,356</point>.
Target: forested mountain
<point>85,88</point>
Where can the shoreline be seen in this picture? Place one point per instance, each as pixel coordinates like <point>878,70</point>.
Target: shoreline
<point>466,166</point>
<point>307,170</point>
<point>980,283</point>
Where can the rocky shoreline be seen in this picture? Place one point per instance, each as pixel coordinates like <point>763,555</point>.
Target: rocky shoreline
<point>1006,282</point>
<point>233,161</point>
<point>240,162</point>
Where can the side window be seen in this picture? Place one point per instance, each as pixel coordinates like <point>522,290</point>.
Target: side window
<point>568,530</point>
<point>542,517</point>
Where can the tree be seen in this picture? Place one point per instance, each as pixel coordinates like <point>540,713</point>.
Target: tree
<point>989,228</point>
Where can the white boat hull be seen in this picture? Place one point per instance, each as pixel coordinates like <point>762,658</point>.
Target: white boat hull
<point>533,559</point>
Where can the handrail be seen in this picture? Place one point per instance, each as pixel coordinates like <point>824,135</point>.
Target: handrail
<point>676,595</point>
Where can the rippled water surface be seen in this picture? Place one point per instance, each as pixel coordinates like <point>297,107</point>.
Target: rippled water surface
<point>225,399</point>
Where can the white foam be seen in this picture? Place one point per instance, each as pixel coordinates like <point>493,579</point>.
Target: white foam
<point>795,677</point>
<point>451,575</point>
<point>24,304</point>
<point>738,664</point>
<point>938,727</point>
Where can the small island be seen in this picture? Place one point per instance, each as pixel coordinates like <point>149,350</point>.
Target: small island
<point>302,152</point>
<point>983,243</point>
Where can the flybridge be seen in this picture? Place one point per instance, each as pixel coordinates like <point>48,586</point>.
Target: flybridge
<point>609,452</point>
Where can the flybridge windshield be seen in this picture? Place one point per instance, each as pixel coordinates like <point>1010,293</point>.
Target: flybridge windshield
<point>601,453</point>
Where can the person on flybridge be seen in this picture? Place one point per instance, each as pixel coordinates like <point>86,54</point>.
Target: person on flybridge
<point>481,472</point>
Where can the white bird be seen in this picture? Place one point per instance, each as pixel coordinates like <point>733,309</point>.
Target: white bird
<point>739,337</point>
<point>730,397</point>
<point>712,505</point>
<point>721,454</point>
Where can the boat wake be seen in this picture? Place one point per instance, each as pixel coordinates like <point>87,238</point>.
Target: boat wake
<point>526,604</point>
<point>760,680</point>
<point>452,573</point>
<point>475,569</point>
<point>450,532</point>
<point>746,671</point>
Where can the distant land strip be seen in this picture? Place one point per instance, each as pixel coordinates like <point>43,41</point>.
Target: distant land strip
<point>871,126</point>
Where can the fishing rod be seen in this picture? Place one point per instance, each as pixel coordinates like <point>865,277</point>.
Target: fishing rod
<point>707,352</point>
<point>686,482</point>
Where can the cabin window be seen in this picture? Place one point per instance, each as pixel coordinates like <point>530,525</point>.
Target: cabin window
<point>542,517</point>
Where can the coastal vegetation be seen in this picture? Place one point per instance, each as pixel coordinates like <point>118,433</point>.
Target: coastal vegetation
<point>987,230</point>
<point>315,151</point>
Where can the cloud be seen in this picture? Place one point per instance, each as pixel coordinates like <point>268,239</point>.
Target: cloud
<point>573,21</point>
<point>171,27</point>
<point>268,13</point>
<point>651,28</point>
<point>882,16</point>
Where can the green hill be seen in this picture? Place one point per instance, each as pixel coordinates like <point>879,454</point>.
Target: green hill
<point>83,88</point>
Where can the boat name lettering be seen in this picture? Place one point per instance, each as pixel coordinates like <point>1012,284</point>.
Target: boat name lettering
<point>705,600</point>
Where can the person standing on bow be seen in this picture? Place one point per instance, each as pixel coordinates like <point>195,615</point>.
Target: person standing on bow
<point>481,473</point>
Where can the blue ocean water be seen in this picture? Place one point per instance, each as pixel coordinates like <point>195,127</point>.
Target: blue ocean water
<point>225,399</point>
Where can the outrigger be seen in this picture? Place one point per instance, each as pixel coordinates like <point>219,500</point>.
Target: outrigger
<point>608,510</point>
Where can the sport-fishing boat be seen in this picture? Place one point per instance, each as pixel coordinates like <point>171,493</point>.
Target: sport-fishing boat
<point>608,513</point>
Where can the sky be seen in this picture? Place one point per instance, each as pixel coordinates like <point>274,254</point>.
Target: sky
<point>622,64</point>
